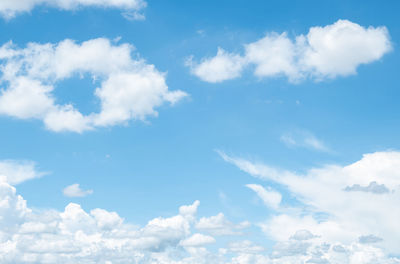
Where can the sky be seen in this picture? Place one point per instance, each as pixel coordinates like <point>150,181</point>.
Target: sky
<point>237,132</point>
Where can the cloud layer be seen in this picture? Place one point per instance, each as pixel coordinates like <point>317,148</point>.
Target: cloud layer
<point>128,88</point>
<point>11,8</point>
<point>353,233</point>
<point>325,52</point>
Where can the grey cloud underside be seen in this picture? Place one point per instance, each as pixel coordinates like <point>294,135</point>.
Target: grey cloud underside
<point>373,187</point>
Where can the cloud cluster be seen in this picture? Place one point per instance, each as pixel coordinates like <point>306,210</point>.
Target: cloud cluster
<point>99,236</point>
<point>338,204</point>
<point>128,87</point>
<point>11,8</point>
<point>325,52</point>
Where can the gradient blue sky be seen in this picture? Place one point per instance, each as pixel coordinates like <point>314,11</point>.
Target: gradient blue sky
<point>143,170</point>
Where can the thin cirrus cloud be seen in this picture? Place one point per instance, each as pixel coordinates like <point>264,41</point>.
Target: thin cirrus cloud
<point>18,171</point>
<point>322,191</point>
<point>304,139</point>
<point>131,8</point>
<point>324,53</point>
<point>74,190</point>
<point>129,88</point>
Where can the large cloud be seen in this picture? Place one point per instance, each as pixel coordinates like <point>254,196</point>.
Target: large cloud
<point>334,204</point>
<point>325,52</point>
<point>11,8</point>
<point>129,88</point>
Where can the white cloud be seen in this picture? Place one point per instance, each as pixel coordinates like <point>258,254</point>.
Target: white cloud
<point>224,66</point>
<point>74,190</point>
<point>304,139</point>
<point>17,171</point>
<point>328,210</point>
<point>325,52</point>
<point>131,8</point>
<point>129,89</point>
<point>269,197</point>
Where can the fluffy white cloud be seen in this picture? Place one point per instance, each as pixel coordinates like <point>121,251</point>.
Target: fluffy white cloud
<point>223,66</point>
<point>269,197</point>
<point>11,8</point>
<point>128,88</point>
<point>16,171</point>
<point>74,190</point>
<point>331,212</point>
<point>325,52</point>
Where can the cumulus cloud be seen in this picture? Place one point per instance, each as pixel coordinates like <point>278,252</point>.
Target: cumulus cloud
<point>74,190</point>
<point>325,52</point>
<point>17,171</point>
<point>223,66</point>
<point>131,8</point>
<point>327,210</point>
<point>129,88</point>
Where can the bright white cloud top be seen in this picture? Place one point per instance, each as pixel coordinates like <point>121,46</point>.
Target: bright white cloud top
<point>11,8</point>
<point>129,88</point>
<point>325,52</point>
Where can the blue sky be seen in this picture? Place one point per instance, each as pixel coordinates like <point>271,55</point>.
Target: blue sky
<point>147,167</point>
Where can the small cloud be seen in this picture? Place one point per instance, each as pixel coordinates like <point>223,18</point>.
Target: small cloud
<point>304,139</point>
<point>373,187</point>
<point>75,190</point>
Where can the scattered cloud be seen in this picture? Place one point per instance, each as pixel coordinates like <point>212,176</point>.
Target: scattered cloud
<point>17,171</point>
<point>129,89</point>
<point>74,190</point>
<point>369,239</point>
<point>11,8</point>
<point>304,139</point>
<point>324,53</point>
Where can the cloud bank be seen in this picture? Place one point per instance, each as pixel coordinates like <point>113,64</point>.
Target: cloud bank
<point>129,88</point>
<point>324,53</point>
<point>11,8</point>
<point>100,236</point>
